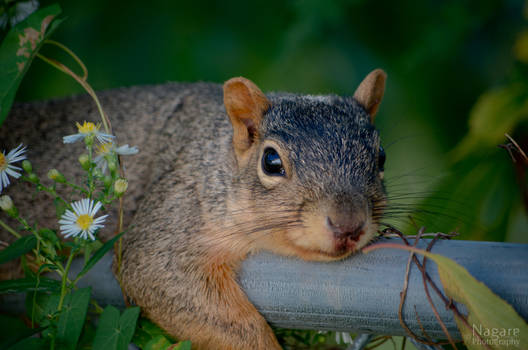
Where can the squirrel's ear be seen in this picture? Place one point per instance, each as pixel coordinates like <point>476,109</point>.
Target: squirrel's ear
<point>370,92</point>
<point>245,105</point>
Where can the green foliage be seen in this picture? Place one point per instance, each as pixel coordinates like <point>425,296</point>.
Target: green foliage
<point>66,330</point>
<point>19,247</point>
<point>496,113</point>
<point>56,308</point>
<point>183,345</point>
<point>19,48</point>
<point>114,331</point>
<point>486,311</point>
<point>149,336</point>
<point>28,284</point>
<point>71,318</point>
<point>13,331</point>
<point>30,344</point>
<point>99,253</point>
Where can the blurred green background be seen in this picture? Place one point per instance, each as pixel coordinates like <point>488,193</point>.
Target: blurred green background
<point>457,81</point>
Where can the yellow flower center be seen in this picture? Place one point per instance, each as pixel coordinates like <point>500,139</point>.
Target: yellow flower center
<point>104,148</point>
<point>84,221</point>
<point>3,162</point>
<point>87,128</point>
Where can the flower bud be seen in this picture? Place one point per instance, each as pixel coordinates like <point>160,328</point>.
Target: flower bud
<point>26,165</point>
<point>107,181</point>
<point>56,176</point>
<point>88,140</point>
<point>6,204</point>
<point>112,165</point>
<point>97,173</point>
<point>120,187</point>
<point>84,159</point>
<point>33,178</point>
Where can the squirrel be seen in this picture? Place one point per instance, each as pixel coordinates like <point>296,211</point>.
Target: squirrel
<point>223,172</point>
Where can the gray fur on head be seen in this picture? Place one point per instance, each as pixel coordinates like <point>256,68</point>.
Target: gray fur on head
<point>331,143</point>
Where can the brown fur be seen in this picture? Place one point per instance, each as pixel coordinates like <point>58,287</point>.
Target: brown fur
<point>199,201</point>
<point>370,92</point>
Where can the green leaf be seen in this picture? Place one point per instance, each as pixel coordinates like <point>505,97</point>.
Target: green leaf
<point>72,317</point>
<point>159,342</point>
<point>147,331</point>
<point>99,254</point>
<point>41,307</point>
<point>151,328</point>
<point>13,331</point>
<point>49,235</point>
<point>107,335</point>
<point>19,247</point>
<point>87,337</point>
<point>30,344</point>
<point>127,323</point>
<point>488,314</point>
<point>113,331</point>
<point>496,112</point>
<point>89,248</point>
<point>28,284</point>
<point>141,338</point>
<point>183,345</point>
<point>18,49</point>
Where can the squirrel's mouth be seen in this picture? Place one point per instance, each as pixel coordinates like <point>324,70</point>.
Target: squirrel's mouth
<point>325,245</point>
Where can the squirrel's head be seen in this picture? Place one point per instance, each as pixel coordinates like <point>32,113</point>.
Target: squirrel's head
<point>309,168</point>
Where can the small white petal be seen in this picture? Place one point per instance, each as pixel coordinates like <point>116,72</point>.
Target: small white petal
<point>73,138</point>
<point>12,173</point>
<point>104,138</point>
<point>16,159</point>
<point>96,207</point>
<point>11,166</point>
<point>18,151</point>
<point>125,150</point>
<point>5,179</point>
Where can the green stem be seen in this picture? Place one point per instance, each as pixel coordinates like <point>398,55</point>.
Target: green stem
<point>49,190</point>
<point>32,230</point>
<point>65,279</point>
<point>98,308</point>
<point>72,54</point>
<point>78,188</point>
<point>54,193</point>
<point>90,173</point>
<point>63,290</point>
<point>10,230</point>
<point>85,85</point>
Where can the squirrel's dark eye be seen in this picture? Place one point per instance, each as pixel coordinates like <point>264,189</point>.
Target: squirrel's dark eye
<point>381,159</point>
<point>271,163</point>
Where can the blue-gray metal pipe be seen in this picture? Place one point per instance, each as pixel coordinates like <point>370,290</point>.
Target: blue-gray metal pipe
<point>362,293</point>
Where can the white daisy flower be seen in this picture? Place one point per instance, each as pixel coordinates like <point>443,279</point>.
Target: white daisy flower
<point>88,129</point>
<point>81,221</point>
<point>7,167</point>
<point>106,149</point>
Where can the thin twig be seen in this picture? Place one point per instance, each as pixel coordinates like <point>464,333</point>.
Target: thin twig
<point>424,332</point>
<point>403,293</point>
<point>519,149</point>
<point>72,54</point>
<point>428,295</point>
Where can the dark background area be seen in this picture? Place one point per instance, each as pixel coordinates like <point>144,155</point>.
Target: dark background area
<point>440,57</point>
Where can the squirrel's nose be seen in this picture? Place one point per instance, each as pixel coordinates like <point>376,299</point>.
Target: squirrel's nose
<point>346,227</point>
